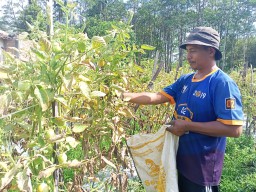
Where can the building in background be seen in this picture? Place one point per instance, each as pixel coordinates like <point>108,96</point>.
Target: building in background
<point>7,41</point>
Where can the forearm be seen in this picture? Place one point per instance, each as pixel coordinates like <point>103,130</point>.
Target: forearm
<point>145,98</point>
<point>214,128</point>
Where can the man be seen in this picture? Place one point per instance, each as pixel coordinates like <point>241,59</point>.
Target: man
<point>208,109</point>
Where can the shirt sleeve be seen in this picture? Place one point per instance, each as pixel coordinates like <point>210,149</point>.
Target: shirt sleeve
<point>172,91</point>
<point>227,103</point>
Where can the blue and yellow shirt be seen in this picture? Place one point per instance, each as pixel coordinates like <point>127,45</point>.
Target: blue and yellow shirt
<point>215,97</point>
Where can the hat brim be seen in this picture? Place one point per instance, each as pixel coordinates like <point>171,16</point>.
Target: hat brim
<point>218,55</point>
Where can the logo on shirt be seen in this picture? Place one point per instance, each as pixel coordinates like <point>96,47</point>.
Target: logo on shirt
<point>199,94</point>
<point>230,103</point>
<point>183,112</point>
<point>184,89</point>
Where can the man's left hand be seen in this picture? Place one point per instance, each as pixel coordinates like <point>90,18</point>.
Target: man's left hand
<point>177,127</point>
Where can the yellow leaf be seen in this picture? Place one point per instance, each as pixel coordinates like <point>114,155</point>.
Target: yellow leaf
<point>47,172</point>
<point>85,89</point>
<point>108,162</point>
<point>78,128</point>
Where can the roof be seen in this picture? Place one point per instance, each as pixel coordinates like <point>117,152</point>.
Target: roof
<point>5,35</point>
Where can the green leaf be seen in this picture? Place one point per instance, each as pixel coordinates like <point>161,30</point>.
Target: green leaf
<point>117,87</point>
<point>81,46</point>
<point>38,53</point>
<point>147,47</point>
<point>24,85</point>
<point>97,94</point>
<point>85,89</point>
<point>78,128</point>
<point>59,121</point>
<point>42,97</point>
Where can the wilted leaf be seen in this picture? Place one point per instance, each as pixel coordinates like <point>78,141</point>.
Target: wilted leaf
<point>4,69</point>
<point>45,44</point>
<point>24,180</point>
<point>68,82</point>
<point>72,142</point>
<point>74,163</point>
<point>98,41</point>
<point>4,166</point>
<point>42,97</point>
<point>97,94</point>
<point>9,176</point>
<point>4,103</point>
<point>3,75</point>
<point>61,100</point>
<point>78,128</point>
<point>85,89</point>
<point>24,85</point>
<point>126,112</point>
<point>108,162</point>
<point>83,78</point>
<point>47,172</point>
<point>147,47</point>
<point>117,87</point>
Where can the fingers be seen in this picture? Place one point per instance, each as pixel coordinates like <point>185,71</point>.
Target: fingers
<point>171,123</point>
<point>169,129</point>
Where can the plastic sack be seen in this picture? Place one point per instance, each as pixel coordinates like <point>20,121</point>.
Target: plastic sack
<point>154,156</point>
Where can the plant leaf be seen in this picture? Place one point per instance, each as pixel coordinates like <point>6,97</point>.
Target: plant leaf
<point>59,121</point>
<point>24,85</point>
<point>78,128</point>
<point>24,180</point>
<point>72,142</point>
<point>98,41</point>
<point>85,89</point>
<point>108,162</point>
<point>47,172</point>
<point>42,97</point>
<point>9,176</point>
<point>97,94</point>
<point>147,47</point>
<point>61,100</point>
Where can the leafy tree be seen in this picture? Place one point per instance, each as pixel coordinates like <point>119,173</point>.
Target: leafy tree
<point>10,12</point>
<point>33,14</point>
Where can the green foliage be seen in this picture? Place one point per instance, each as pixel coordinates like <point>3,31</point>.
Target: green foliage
<point>32,14</point>
<point>239,171</point>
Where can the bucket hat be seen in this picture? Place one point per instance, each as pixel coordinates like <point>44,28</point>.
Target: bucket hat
<point>204,36</point>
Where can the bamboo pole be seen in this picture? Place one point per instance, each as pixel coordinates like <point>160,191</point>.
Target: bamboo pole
<point>55,107</point>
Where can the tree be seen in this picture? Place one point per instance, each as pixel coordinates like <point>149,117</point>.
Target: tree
<point>10,13</point>
<point>33,13</point>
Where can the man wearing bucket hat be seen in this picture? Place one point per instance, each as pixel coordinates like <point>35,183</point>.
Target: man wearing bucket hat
<point>208,109</point>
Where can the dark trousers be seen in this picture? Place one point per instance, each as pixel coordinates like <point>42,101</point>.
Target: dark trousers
<point>186,185</point>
